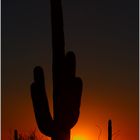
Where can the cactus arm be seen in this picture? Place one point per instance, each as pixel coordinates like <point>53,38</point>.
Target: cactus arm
<point>70,94</point>
<point>40,103</point>
<point>70,109</point>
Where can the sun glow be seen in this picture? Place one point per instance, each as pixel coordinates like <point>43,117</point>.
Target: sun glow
<point>78,137</point>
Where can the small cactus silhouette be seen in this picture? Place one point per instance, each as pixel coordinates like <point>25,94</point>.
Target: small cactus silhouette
<point>67,88</point>
<point>109,130</point>
<point>15,134</point>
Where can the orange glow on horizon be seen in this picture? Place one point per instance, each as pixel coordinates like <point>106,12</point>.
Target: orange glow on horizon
<point>85,129</point>
<point>79,137</point>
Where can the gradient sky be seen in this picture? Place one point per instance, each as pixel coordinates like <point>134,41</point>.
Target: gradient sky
<point>104,37</point>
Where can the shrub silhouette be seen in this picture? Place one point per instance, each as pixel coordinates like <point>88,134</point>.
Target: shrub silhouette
<point>67,88</point>
<point>27,136</point>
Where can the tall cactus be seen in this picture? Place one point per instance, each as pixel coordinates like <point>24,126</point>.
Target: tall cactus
<point>67,88</point>
<point>109,130</point>
<point>15,134</point>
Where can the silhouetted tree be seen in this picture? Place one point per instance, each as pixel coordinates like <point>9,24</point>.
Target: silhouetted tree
<point>67,88</point>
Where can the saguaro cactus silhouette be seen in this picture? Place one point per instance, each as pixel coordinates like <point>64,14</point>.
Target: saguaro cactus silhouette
<point>15,134</point>
<point>109,130</point>
<point>67,88</point>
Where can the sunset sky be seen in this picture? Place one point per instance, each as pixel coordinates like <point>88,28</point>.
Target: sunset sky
<point>104,37</point>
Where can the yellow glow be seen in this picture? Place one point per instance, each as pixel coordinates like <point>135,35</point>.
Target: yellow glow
<point>79,138</point>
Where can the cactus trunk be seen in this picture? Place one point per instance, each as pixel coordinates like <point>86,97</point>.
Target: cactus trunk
<point>15,134</point>
<point>62,136</point>
<point>109,130</point>
<point>58,44</point>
